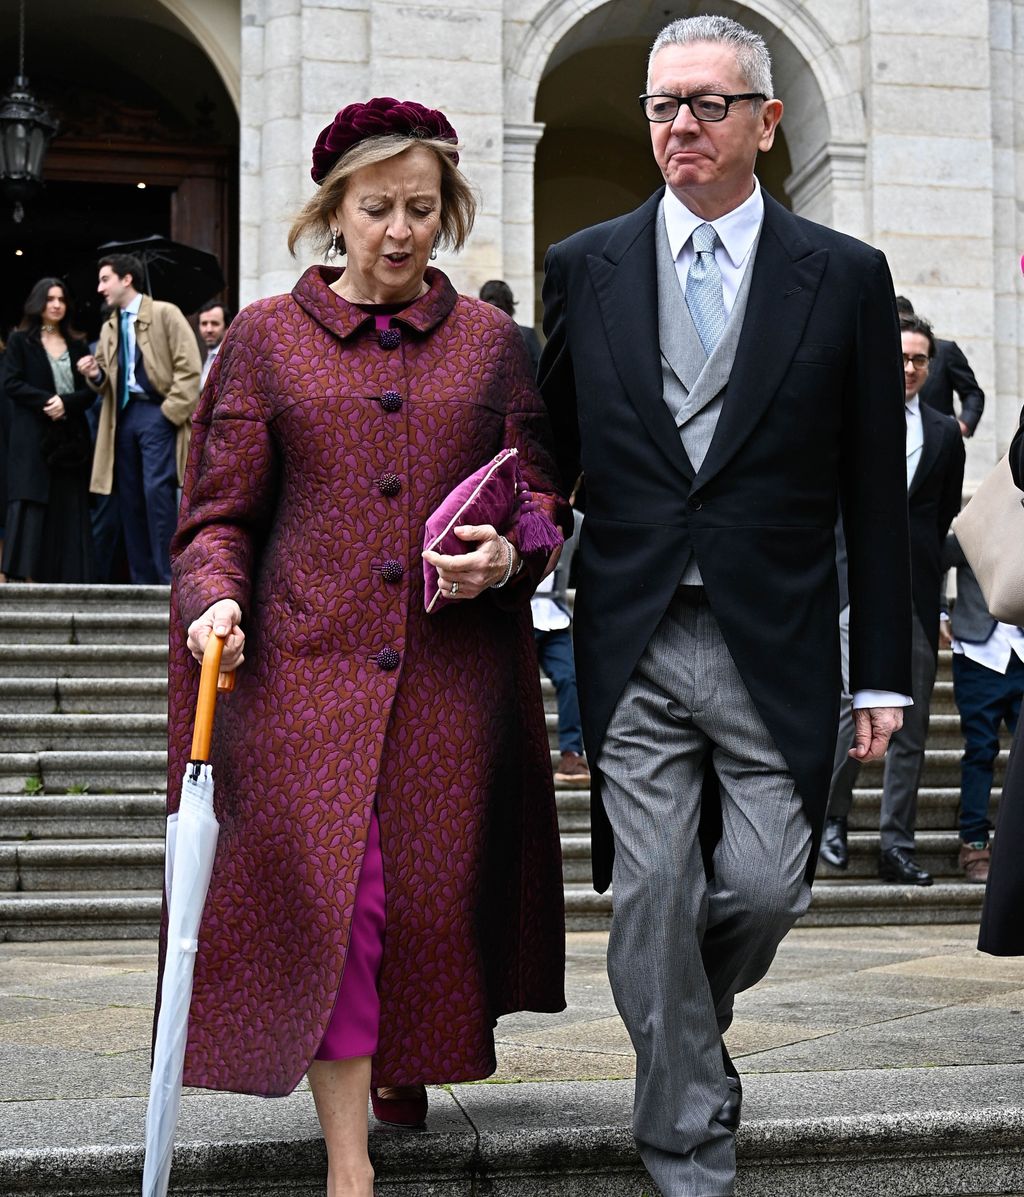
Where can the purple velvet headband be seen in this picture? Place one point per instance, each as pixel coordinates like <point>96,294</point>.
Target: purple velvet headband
<point>377,118</point>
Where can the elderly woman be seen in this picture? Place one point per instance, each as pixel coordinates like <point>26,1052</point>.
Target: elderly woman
<point>388,878</point>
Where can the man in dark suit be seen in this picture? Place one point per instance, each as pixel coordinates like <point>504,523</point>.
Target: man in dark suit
<point>935,478</point>
<point>723,372</point>
<point>950,373</point>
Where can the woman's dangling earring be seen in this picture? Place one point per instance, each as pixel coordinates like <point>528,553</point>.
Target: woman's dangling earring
<point>332,253</point>
<point>433,252</point>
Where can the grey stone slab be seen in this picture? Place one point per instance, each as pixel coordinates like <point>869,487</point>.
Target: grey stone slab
<point>32,1073</point>
<point>14,1010</point>
<point>935,1039</point>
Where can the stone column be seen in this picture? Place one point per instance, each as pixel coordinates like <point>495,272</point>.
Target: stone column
<point>521,272</point>
<point>932,167</point>
<point>448,55</point>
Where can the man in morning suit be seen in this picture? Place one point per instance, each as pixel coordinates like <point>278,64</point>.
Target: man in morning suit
<point>934,478</point>
<point>723,373</point>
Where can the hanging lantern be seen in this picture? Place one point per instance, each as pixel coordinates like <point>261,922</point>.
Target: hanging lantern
<point>26,129</point>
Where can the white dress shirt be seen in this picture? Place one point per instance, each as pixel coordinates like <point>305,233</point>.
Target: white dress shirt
<point>915,437</point>
<point>997,651</point>
<point>737,235</point>
<point>133,311</point>
<point>208,365</point>
<point>548,616</point>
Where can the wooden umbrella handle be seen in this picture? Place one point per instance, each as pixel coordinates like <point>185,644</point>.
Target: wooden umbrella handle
<point>210,681</point>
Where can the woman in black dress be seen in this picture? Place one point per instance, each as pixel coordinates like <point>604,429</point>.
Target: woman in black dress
<point>49,452</point>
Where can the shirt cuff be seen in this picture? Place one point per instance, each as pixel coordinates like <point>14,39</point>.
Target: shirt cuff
<point>880,698</point>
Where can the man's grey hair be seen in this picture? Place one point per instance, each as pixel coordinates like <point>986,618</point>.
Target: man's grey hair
<point>752,55</point>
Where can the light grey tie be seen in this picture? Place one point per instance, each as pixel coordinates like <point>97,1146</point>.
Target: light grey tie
<point>704,288</point>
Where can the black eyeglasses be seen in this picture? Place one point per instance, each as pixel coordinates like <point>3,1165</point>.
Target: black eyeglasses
<point>706,107</point>
<point>918,360</point>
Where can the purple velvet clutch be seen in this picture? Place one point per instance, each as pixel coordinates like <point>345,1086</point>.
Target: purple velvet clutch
<point>497,495</point>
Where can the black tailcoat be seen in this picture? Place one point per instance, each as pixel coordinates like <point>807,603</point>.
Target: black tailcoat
<point>813,409</point>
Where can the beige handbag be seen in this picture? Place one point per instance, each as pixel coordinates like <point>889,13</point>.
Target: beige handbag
<point>990,530</point>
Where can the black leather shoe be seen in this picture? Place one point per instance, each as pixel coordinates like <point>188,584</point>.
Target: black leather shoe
<point>729,1113</point>
<point>897,864</point>
<point>833,843</point>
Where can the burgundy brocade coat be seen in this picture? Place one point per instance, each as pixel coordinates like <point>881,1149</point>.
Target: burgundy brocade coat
<point>317,454</point>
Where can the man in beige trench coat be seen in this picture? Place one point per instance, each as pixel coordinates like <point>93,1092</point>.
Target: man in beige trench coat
<point>146,368</point>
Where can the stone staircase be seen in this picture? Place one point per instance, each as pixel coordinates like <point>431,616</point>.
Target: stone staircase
<point>82,768</point>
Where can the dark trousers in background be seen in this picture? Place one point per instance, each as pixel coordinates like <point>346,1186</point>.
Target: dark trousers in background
<point>554,652</point>
<point>146,481</point>
<point>985,699</point>
<point>903,761</point>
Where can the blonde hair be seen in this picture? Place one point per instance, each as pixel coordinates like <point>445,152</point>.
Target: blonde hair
<point>458,204</point>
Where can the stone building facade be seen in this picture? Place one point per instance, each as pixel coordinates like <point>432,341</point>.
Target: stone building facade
<point>903,125</point>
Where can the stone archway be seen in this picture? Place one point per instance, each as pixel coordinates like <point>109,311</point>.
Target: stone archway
<point>824,177</point>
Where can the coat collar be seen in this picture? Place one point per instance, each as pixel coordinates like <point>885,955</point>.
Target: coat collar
<point>625,280</point>
<point>314,295</point>
<point>933,426</point>
<point>787,271</point>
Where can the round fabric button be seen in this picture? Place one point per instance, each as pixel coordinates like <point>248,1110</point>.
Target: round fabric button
<point>392,571</point>
<point>389,338</point>
<point>391,401</point>
<point>389,485</point>
<point>387,659</point>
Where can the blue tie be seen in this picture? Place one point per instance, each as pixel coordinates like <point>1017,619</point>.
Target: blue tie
<point>122,360</point>
<point>704,288</point>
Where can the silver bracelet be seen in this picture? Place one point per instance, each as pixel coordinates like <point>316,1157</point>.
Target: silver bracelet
<point>508,568</point>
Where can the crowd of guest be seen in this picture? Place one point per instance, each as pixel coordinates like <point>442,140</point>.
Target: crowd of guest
<point>93,439</point>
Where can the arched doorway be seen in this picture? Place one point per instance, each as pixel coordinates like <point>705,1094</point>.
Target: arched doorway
<point>574,124</point>
<point>148,141</point>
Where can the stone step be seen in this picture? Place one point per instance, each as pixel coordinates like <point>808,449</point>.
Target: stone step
<point>89,816</point>
<point>83,660</point>
<point>90,772</point>
<point>83,695</point>
<point>90,627</point>
<point>936,851</point>
<point>833,904</point>
<point>81,865</point>
<point>80,599</point>
<point>899,1131</point>
<point>82,733</point>
<point>941,769</point>
<point>40,916</point>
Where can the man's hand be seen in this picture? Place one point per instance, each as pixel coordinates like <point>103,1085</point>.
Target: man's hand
<point>945,634</point>
<point>88,367</point>
<point>965,432</point>
<point>872,729</point>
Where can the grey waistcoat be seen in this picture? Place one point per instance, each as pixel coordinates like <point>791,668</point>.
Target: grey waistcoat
<point>693,384</point>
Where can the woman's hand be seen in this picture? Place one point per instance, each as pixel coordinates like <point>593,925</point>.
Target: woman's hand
<point>54,408</point>
<point>474,572</point>
<point>223,618</point>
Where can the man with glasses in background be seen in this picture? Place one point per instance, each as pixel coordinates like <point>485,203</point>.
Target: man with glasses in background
<point>935,479</point>
<point>723,373</point>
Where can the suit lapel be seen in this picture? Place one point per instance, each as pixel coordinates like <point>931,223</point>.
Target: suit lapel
<point>783,287</point>
<point>931,445</point>
<point>625,280</point>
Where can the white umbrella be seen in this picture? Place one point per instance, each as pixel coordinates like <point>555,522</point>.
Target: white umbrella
<point>191,845</point>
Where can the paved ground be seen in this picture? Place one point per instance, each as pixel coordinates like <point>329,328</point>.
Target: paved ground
<point>75,1018</point>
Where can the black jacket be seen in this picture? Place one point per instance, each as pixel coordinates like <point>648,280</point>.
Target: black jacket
<point>813,409</point>
<point>933,500</point>
<point>950,372</point>
<point>37,444</point>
